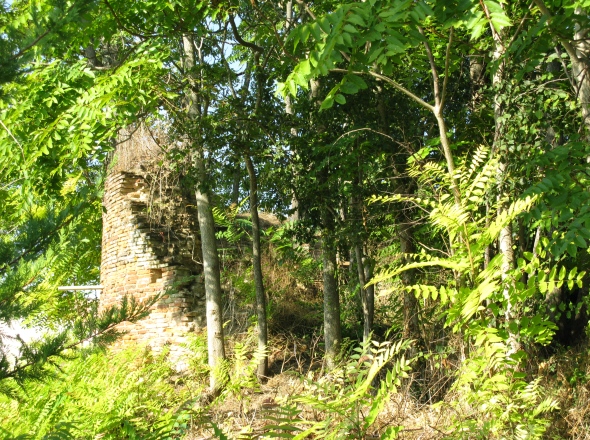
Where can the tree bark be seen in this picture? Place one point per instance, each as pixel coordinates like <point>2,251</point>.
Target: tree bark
<point>367,300</point>
<point>411,321</point>
<point>366,294</point>
<point>581,72</point>
<point>262,370</point>
<point>235,191</point>
<point>215,339</point>
<point>505,239</point>
<point>332,328</point>
<point>368,266</point>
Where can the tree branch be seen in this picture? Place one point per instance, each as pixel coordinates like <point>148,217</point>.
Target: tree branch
<point>435,79</point>
<point>446,78</point>
<point>394,84</point>
<point>240,40</point>
<point>520,26</point>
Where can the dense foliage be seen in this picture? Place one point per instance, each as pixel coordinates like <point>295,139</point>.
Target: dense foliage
<point>432,159</point>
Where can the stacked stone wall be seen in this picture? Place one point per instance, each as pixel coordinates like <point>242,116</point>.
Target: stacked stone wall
<point>143,257</point>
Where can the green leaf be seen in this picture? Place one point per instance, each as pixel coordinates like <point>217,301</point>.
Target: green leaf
<point>374,53</point>
<point>357,80</point>
<point>391,433</point>
<point>328,103</point>
<point>324,23</point>
<point>572,250</point>
<point>350,29</point>
<point>356,19</point>
<point>498,17</point>
<point>316,31</point>
<point>580,242</point>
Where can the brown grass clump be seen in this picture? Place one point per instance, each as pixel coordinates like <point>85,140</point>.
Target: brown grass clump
<point>566,376</point>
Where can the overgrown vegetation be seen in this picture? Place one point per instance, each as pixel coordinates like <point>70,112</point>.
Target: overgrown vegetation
<point>399,187</point>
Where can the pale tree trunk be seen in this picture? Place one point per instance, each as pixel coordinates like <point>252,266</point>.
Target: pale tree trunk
<point>235,191</point>
<point>260,79</point>
<point>439,89</point>
<point>505,243</point>
<point>289,108</point>
<point>368,267</point>
<point>505,239</point>
<point>262,370</point>
<point>580,70</point>
<point>215,339</point>
<point>476,76</point>
<point>440,92</point>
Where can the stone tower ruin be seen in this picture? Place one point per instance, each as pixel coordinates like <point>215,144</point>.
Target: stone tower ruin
<point>151,246</point>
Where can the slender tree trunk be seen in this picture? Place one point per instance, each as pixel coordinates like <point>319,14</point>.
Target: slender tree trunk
<point>262,370</point>
<point>289,108</point>
<point>368,265</point>
<point>580,70</point>
<point>332,329</point>
<point>505,239</point>
<point>260,81</point>
<point>366,301</point>
<point>235,191</point>
<point>215,339</point>
<point>411,318</point>
<point>366,294</point>
<point>440,92</point>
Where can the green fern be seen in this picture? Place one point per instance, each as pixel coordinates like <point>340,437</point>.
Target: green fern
<point>500,403</point>
<point>344,403</point>
<point>112,396</point>
<point>281,421</point>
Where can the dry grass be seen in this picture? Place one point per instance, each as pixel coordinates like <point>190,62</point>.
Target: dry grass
<point>248,414</point>
<point>137,147</point>
<point>566,376</point>
<point>298,369</point>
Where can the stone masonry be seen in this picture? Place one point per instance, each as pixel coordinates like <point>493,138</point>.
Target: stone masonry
<point>145,255</point>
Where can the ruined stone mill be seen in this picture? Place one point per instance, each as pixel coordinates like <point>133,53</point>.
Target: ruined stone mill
<point>150,245</point>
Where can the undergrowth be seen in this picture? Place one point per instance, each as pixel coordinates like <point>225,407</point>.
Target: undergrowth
<point>134,395</point>
<point>130,394</point>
